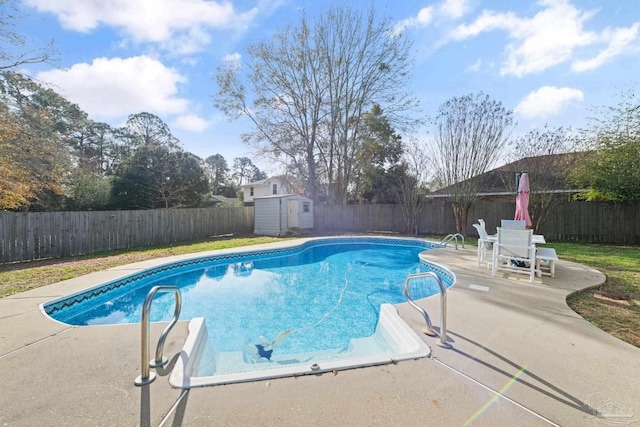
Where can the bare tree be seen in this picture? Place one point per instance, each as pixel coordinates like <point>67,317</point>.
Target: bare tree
<point>538,154</point>
<point>14,52</point>
<point>367,66</point>
<point>470,136</point>
<point>411,184</point>
<point>312,83</point>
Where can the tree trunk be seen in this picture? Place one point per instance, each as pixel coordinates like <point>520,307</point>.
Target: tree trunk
<point>461,215</point>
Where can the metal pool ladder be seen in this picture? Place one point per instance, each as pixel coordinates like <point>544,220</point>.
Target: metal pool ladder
<point>147,377</point>
<point>454,237</point>
<point>443,306</point>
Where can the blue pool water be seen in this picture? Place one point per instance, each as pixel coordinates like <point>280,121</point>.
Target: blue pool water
<point>326,292</point>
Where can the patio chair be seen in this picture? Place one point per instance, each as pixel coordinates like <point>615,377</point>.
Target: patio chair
<point>483,243</point>
<point>514,251</point>
<point>514,224</point>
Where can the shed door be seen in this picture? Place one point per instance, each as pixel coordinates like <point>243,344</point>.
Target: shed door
<point>292,214</point>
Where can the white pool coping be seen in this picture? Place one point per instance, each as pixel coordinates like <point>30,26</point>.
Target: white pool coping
<point>405,341</point>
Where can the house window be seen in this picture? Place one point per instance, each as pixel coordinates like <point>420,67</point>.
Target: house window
<point>275,188</point>
<point>305,207</point>
<point>251,191</point>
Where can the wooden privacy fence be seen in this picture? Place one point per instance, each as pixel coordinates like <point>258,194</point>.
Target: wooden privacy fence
<point>436,219</point>
<point>598,222</point>
<point>40,235</point>
<point>589,222</point>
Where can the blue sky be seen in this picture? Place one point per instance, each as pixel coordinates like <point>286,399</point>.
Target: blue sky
<point>550,61</point>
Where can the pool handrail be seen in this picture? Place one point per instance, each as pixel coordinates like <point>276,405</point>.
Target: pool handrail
<point>147,377</point>
<point>443,306</point>
<point>454,237</point>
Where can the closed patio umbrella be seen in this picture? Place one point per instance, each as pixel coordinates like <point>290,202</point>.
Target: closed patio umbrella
<point>522,200</point>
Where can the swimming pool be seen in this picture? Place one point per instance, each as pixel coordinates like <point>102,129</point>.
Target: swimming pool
<point>249,298</point>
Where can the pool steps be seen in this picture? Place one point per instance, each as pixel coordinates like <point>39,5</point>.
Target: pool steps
<point>197,363</point>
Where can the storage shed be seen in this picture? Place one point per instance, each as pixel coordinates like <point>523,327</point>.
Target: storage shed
<point>279,214</point>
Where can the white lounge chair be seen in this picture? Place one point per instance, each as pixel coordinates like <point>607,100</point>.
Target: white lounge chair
<point>483,244</point>
<point>546,260</point>
<point>514,251</point>
<point>514,224</point>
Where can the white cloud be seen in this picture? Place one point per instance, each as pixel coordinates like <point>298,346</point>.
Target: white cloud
<point>109,88</point>
<point>191,122</point>
<point>554,35</point>
<point>454,9</point>
<point>549,38</point>
<point>476,66</point>
<point>189,42</point>
<point>424,18</point>
<point>448,10</point>
<point>618,40</point>
<point>547,101</point>
<point>166,22</point>
<point>487,21</point>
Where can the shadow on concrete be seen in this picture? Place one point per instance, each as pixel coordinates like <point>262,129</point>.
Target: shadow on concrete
<point>559,395</point>
<point>165,370</point>
<point>145,406</point>
<point>180,408</point>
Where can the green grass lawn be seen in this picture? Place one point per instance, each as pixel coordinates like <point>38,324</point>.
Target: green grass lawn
<point>16,278</point>
<point>613,307</point>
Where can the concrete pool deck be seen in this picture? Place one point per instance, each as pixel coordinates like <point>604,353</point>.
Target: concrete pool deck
<point>519,356</point>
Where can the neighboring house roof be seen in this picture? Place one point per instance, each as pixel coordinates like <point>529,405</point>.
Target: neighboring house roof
<point>266,181</point>
<point>256,183</point>
<point>551,169</point>
<point>285,182</point>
